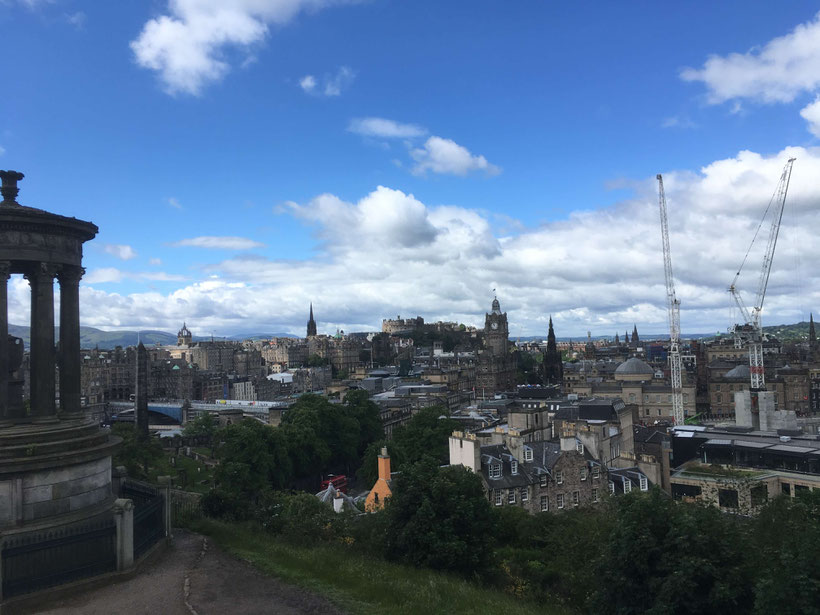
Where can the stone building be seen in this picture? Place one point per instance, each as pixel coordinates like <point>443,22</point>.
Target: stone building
<point>495,367</point>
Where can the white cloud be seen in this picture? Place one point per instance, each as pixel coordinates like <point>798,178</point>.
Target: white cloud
<point>174,203</point>
<point>103,275</point>
<point>2,150</point>
<point>446,156</point>
<point>107,275</point>
<point>219,243</point>
<point>308,83</point>
<point>188,45</point>
<point>77,19</point>
<point>777,72</point>
<point>123,252</point>
<point>811,113</point>
<point>155,261</point>
<point>384,128</point>
<point>331,85</point>
<point>390,253</point>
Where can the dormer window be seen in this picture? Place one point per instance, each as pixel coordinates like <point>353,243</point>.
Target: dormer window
<point>543,480</point>
<point>627,485</point>
<point>579,447</point>
<point>527,454</point>
<point>495,470</point>
<point>644,484</point>
<point>514,466</point>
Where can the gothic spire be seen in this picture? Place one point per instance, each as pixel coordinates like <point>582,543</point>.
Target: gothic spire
<point>812,333</point>
<point>311,324</point>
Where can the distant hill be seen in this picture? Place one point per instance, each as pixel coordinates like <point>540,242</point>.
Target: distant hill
<point>789,333</point>
<point>91,337</point>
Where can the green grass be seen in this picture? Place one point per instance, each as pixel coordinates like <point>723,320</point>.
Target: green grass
<point>364,584</point>
<point>196,471</point>
<point>721,472</point>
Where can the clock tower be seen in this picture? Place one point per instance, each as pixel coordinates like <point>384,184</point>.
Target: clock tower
<point>496,331</point>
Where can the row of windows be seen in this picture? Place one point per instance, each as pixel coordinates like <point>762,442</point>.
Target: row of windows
<point>495,472</point>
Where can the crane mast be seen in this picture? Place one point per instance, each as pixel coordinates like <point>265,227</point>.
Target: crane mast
<point>673,307</point>
<point>751,331</point>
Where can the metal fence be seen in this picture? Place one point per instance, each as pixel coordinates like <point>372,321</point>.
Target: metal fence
<point>38,560</point>
<point>185,506</point>
<point>149,514</point>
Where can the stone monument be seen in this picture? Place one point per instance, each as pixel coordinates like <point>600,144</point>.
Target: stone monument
<point>55,463</point>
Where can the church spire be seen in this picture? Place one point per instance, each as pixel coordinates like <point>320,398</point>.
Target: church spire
<point>311,324</point>
<point>812,333</point>
<point>617,339</point>
<point>635,335</point>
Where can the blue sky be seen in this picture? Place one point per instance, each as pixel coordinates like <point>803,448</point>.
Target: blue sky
<point>232,158</point>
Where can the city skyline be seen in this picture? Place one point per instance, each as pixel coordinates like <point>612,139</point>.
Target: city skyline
<point>381,159</point>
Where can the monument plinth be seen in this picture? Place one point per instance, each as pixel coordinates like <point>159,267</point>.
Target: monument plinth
<point>55,463</point>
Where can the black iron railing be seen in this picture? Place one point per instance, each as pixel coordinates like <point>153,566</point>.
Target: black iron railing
<point>38,560</point>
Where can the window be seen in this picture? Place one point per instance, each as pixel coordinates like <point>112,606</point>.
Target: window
<point>576,498</point>
<point>627,485</point>
<point>527,454</point>
<point>583,473</point>
<point>644,484</point>
<point>498,501</point>
<point>611,488</point>
<point>596,473</point>
<point>511,496</point>
<point>717,387</point>
<point>543,480</point>
<point>647,412</point>
<point>559,477</point>
<point>579,447</point>
<point>514,466</point>
<point>560,500</point>
<point>759,494</point>
<point>495,470</point>
<point>727,498</point>
<point>525,494</point>
<point>719,398</point>
<point>545,503</point>
<point>594,495</point>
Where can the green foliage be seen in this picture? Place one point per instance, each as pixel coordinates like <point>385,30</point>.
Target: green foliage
<point>786,551</point>
<point>439,518</point>
<point>203,425</point>
<point>668,557</point>
<point>135,453</point>
<point>425,436</point>
<point>315,360</point>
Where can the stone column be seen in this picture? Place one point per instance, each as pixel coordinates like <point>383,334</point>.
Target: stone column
<point>5,411</point>
<point>43,391</point>
<point>124,518</point>
<point>69,278</point>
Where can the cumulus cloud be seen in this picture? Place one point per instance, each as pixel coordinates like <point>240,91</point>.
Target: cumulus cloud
<point>440,155</point>
<point>76,19</point>
<point>174,203</point>
<point>121,251</point>
<point>384,128</point>
<point>188,44</point>
<point>330,85</point>
<point>219,243</point>
<point>777,72</point>
<point>155,261</point>
<point>390,253</point>
<point>811,114</point>
<point>106,275</point>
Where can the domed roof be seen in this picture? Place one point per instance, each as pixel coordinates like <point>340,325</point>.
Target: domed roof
<point>634,366</point>
<point>741,372</point>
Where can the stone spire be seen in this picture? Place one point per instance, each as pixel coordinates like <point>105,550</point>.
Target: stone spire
<point>635,335</point>
<point>553,362</point>
<point>626,337</point>
<point>141,397</point>
<point>812,333</point>
<point>311,324</point>
<point>617,339</point>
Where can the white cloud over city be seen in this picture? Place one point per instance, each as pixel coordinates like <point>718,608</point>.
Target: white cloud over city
<point>330,85</point>
<point>779,71</point>
<point>435,155</point>
<point>188,44</point>
<point>389,253</point>
<point>219,243</point>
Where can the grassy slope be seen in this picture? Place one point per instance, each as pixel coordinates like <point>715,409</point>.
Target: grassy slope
<point>363,584</point>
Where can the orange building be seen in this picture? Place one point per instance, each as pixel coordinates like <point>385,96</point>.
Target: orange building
<point>381,490</point>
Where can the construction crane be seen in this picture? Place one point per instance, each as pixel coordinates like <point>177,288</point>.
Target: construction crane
<point>751,332</point>
<point>673,307</point>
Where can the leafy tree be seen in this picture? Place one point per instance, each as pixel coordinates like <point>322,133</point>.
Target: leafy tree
<point>254,457</point>
<point>786,555</point>
<point>315,360</point>
<point>135,453</point>
<point>439,518</point>
<point>668,557</point>
<point>357,405</point>
<point>425,435</point>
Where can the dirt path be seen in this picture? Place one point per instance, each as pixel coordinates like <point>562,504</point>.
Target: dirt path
<point>194,577</point>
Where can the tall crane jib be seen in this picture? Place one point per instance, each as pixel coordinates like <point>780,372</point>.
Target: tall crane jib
<point>751,332</point>
<point>673,307</point>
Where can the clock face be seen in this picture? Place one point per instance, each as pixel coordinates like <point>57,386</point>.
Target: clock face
<point>494,326</point>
